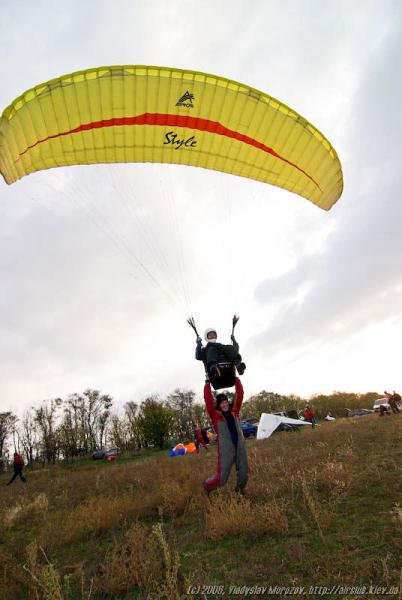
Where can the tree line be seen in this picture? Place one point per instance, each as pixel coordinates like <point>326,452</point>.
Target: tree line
<point>66,429</point>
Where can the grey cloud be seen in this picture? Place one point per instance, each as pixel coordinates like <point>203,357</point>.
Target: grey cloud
<point>346,283</point>
<point>354,282</point>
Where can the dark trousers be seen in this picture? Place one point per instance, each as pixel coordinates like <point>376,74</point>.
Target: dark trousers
<point>216,353</point>
<point>17,472</point>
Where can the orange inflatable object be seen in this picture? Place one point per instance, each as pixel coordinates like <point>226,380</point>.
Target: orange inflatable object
<point>190,448</point>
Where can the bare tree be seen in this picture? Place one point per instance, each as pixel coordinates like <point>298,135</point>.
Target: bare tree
<point>97,414</point>
<point>135,433</point>
<point>46,419</point>
<point>85,421</point>
<point>7,424</point>
<point>181,402</point>
<point>28,435</point>
<point>118,432</point>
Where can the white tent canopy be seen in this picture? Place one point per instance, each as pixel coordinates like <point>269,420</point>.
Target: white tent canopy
<point>268,423</point>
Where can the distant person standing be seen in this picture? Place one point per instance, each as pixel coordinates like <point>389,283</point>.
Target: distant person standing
<point>393,400</point>
<point>18,465</point>
<point>200,437</point>
<point>309,415</point>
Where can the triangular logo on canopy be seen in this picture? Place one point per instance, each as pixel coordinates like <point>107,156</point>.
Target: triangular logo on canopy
<point>186,100</point>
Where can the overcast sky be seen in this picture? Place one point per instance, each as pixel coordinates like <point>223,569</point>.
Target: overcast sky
<point>319,294</point>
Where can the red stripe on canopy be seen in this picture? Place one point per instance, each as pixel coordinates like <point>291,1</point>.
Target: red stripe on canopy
<point>173,121</point>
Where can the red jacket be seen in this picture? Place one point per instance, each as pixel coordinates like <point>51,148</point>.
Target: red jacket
<point>216,415</point>
<point>308,413</point>
<point>18,461</point>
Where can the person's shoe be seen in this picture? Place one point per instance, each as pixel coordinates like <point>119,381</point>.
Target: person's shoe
<point>207,493</point>
<point>241,367</point>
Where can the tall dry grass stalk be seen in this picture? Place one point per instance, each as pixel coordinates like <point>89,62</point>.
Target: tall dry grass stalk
<point>169,589</point>
<point>312,506</point>
<point>46,583</point>
<point>132,562</point>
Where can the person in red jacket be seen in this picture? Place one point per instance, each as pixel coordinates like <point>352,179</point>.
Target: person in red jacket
<point>200,438</point>
<point>18,465</point>
<point>309,415</point>
<point>230,441</point>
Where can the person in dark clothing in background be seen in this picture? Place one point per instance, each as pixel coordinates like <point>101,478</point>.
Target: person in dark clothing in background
<point>393,401</point>
<point>200,437</point>
<point>230,441</point>
<point>18,465</point>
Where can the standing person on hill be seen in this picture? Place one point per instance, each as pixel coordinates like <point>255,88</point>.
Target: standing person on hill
<point>200,438</point>
<point>309,415</point>
<point>18,465</point>
<point>230,441</point>
<point>398,400</point>
<point>393,400</point>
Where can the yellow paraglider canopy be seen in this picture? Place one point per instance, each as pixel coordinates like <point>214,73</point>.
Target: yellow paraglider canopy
<point>156,114</point>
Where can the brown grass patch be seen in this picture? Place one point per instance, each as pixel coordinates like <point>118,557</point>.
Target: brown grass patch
<point>38,505</point>
<point>322,478</point>
<point>236,515</point>
<point>334,477</point>
<point>396,513</point>
<point>94,515</point>
<point>314,508</point>
<point>133,561</point>
<point>46,582</point>
<point>174,499</point>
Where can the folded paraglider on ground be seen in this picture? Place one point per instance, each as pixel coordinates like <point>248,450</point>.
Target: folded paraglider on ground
<point>183,449</point>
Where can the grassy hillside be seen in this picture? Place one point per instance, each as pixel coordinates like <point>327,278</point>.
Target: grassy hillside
<point>323,508</point>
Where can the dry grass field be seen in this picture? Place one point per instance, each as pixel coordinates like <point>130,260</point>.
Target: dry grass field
<point>323,508</point>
